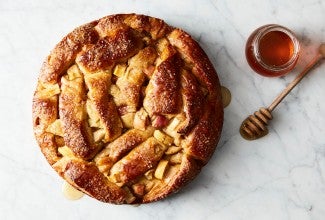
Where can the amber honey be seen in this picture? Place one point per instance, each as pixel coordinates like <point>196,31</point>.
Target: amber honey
<point>272,50</point>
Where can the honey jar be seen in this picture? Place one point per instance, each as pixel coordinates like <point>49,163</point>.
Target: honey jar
<point>272,50</point>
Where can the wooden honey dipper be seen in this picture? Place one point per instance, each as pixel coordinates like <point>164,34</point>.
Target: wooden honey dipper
<point>254,126</point>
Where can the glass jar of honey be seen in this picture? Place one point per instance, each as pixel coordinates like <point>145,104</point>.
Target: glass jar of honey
<point>272,50</point>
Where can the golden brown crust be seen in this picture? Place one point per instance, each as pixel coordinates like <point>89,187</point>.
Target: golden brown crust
<point>188,171</point>
<point>139,160</point>
<point>164,97</point>
<point>127,109</point>
<point>110,50</point>
<point>98,85</point>
<point>65,52</point>
<point>193,99</point>
<point>87,177</point>
<point>121,146</point>
<point>76,131</point>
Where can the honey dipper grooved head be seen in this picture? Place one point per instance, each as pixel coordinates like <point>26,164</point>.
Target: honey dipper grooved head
<point>254,126</point>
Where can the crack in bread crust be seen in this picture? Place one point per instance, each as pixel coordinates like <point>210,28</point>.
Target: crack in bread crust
<point>127,109</point>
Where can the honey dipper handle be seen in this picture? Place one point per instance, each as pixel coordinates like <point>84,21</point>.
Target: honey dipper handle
<point>288,89</point>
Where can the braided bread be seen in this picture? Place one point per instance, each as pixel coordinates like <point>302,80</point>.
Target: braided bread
<point>127,109</point>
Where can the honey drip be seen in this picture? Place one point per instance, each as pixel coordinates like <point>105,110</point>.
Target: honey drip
<point>226,96</point>
<point>70,192</point>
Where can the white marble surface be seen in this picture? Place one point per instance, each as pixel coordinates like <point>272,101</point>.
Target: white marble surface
<point>281,176</point>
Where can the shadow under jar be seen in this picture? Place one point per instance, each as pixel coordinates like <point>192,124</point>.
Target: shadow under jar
<point>272,50</point>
